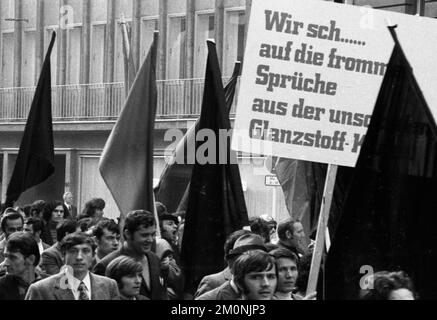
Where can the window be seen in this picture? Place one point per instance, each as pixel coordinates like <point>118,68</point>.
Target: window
<point>28,66</point>
<point>148,26</point>
<point>204,31</point>
<point>235,22</point>
<point>7,68</point>
<point>97,53</point>
<point>73,55</point>
<point>176,57</point>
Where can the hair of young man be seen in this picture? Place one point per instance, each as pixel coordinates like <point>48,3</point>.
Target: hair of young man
<point>122,266</point>
<point>230,241</point>
<point>137,219</point>
<point>283,227</point>
<point>385,282</point>
<point>251,261</point>
<point>77,238</point>
<point>91,206</point>
<point>37,224</point>
<point>49,207</point>
<point>37,207</point>
<point>284,253</point>
<point>108,224</point>
<point>10,214</point>
<point>24,243</point>
<point>260,226</point>
<point>68,226</point>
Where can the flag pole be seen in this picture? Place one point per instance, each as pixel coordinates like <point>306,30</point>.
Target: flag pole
<point>322,228</point>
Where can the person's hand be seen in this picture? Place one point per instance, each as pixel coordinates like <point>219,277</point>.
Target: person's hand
<point>311,296</point>
<point>165,263</point>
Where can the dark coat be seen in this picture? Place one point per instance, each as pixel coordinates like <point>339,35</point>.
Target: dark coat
<point>51,259</point>
<point>157,290</point>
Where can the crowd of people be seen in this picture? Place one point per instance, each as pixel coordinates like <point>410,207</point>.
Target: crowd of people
<point>49,251</point>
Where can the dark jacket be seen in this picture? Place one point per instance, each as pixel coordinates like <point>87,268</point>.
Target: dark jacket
<point>51,259</point>
<point>157,290</point>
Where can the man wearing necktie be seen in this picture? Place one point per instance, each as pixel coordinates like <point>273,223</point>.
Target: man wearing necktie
<point>75,281</point>
<point>68,201</point>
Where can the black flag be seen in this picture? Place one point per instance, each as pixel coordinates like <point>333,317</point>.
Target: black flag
<point>176,175</point>
<point>216,205</point>
<point>389,218</point>
<point>35,160</point>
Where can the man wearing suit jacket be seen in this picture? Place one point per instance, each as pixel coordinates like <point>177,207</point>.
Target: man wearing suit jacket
<point>75,282</point>
<point>139,231</point>
<point>51,258</point>
<point>229,290</point>
<point>215,280</point>
<point>68,201</point>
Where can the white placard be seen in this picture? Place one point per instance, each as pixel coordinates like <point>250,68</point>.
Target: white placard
<point>311,75</point>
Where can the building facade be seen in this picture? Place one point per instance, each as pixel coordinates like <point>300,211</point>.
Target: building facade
<point>88,74</point>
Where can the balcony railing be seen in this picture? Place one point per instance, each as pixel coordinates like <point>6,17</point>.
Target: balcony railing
<point>103,101</point>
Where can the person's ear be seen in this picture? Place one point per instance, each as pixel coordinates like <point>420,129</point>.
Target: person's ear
<point>127,235</point>
<point>288,234</point>
<point>30,260</point>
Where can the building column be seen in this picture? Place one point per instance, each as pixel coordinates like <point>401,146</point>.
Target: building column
<point>108,72</point>
<point>162,46</point>
<point>85,56</point>
<point>39,38</point>
<point>18,42</point>
<point>219,16</point>
<point>189,47</point>
<point>136,32</point>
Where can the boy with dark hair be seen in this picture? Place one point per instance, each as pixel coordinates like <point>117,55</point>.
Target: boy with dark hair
<point>51,258</point>
<point>21,258</point>
<point>107,237</point>
<point>255,275</point>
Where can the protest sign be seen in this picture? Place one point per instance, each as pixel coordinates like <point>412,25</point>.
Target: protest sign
<point>311,75</point>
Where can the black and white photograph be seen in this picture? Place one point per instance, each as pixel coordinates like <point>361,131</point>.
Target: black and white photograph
<point>233,151</point>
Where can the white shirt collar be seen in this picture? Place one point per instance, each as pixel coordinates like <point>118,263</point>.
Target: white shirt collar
<point>76,283</point>
<point>40,246</point>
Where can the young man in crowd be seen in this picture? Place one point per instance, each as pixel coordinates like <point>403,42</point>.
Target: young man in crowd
<point>51,258</point>
<point>12,221</point>
<point>255,275</point>
<point>107,236</point>
<point>21,258</point>
<point>139,232</point>
<point>215,280</point>
<point>229,290</point>
<point>75,282</point>
<point>34,226</point>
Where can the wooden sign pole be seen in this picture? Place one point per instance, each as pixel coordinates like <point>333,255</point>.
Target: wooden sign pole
<point>321,228</point>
